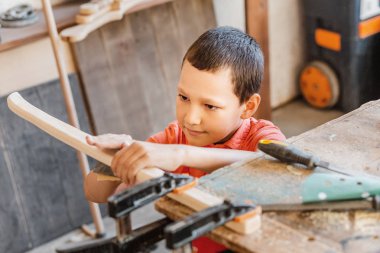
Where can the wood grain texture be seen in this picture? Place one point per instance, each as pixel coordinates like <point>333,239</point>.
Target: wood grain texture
<point>350,142</point>
<point>12,218</point>
<point>44,197</point>
<point>131,79</point>
<point>257,26</point>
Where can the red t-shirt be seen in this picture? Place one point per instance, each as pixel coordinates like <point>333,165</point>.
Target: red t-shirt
<point>246,137</point>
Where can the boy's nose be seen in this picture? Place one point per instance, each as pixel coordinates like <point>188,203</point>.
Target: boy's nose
<point>193,117</point>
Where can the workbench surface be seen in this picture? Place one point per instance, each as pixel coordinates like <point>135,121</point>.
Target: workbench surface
<point>351,142</point>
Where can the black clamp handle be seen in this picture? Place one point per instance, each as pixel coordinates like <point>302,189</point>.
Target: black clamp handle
<point>123,203</point>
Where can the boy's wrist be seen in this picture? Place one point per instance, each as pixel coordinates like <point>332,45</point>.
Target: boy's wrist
<point>181,154</point>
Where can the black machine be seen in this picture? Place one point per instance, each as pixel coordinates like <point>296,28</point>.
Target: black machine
<point>343,53</point>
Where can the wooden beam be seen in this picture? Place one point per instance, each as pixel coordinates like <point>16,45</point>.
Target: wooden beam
<point>74,137</point>
<point>257,26</point>
<point>69,103</point>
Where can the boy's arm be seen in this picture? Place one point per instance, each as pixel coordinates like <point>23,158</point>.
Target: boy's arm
<point>210,159</point>
<point>128,161</point>
<point>166,156</point>
<point>98,191</point>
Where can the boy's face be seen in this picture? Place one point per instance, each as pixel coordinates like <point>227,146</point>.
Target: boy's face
<point>208,110</point>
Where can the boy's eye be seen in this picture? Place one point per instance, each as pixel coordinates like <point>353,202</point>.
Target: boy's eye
<point>183,98</point>
<point>211,107</point>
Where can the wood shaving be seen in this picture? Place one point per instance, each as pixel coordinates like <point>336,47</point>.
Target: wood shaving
<point>331,137</point>
<point>294,170</point>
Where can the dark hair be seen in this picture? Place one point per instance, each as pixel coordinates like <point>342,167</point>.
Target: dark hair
<point>228,47</point>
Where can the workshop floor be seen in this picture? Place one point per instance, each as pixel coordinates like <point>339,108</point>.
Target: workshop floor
<point>293,118</point>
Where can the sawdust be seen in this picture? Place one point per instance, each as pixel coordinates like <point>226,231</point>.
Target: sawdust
<point>260,181</point>
<point>332,137</point>
<point>325,220</point>
<point>367,222</point>
<point>294,170</point>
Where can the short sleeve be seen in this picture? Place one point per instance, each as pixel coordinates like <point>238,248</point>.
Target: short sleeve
<point>169,136</point>
<point>259,130</point>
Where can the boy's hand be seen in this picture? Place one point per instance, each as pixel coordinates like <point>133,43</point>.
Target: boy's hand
<point>111,141</point>
<point>128,161</point>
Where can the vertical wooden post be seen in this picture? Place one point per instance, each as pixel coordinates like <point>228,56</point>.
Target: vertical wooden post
<point>69,103</point>
<point>257,26</point>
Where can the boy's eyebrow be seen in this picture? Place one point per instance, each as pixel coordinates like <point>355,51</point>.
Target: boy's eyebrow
<point>213,102</point>
<point>181,90</point>
<point>205,100</point>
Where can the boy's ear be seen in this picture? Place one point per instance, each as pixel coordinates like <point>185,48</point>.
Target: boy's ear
<point>251,106</point>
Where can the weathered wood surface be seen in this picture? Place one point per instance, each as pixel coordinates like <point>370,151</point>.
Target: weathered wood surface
<point>40,183</point>
<point>257,23</point>
<point>130,68</point>
<point>352,142</point>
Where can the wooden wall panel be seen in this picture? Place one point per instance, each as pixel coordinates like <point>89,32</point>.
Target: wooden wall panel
<point>130,68</point>
<point>257,26</point>
<point>43,195</point>
<point>13,229</point>
<point>168,49</point>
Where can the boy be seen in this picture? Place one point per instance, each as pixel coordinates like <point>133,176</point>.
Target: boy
<point>217,96</point>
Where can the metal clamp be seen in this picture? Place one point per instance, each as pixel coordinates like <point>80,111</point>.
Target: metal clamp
<point>182,232</point>
<point>125,202</point>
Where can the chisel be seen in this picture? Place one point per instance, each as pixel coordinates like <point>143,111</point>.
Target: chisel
<point>289,153</point>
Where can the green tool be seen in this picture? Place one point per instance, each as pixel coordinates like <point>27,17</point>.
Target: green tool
<point>333,187</point>
<point>289,153</point>
<point>322,187</point>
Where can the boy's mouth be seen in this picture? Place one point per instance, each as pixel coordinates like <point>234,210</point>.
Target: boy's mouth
<point>194,132</point>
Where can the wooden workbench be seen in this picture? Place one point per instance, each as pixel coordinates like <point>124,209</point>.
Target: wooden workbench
<point>351,141</point>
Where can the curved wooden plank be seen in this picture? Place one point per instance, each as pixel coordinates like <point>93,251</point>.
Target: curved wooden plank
<point>64,132</point>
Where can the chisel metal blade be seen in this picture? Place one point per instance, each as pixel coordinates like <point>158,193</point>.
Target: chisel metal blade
<point>372,203</point>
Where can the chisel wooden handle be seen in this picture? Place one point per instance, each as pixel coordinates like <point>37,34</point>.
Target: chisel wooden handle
<point>291,154</point>
<point>288,153</point>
